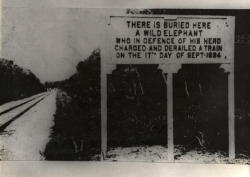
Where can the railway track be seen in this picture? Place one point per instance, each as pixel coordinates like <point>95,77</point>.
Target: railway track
<point>18,105</point>
<point>6,117</point>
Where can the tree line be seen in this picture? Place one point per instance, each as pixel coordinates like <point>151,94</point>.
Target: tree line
<point>17,82</point>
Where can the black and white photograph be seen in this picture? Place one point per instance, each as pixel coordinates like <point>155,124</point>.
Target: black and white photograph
<point>125,85</point>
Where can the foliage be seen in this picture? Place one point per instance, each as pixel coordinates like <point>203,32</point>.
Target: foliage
<point>16,82</point>
<point>76,134</point>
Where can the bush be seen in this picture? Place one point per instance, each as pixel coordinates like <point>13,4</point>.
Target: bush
<point>76,133</point>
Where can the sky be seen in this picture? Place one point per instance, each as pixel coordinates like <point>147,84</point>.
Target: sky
<point>51,41</point>
<point>50,37</point>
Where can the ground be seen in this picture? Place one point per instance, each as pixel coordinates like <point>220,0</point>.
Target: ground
<point>159,154</point>
<point>27,136</point>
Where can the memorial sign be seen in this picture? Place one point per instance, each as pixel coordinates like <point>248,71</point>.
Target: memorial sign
<point>169,41</point>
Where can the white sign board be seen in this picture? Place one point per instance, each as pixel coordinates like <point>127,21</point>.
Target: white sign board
<point>171,39</point>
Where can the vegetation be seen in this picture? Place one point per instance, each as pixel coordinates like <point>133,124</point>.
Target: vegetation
<point>76,134</point>
<point>16,82</point>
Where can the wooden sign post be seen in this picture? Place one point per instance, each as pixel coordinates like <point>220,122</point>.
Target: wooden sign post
<point>169,41</point>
